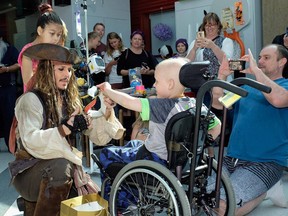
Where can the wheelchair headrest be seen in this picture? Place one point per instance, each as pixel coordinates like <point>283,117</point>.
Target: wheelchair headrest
<point>194,74</point>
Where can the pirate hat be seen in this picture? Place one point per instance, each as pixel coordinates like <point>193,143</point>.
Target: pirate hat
<point>53,52</point>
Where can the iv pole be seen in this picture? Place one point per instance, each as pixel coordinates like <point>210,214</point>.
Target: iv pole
<point>84,5</point>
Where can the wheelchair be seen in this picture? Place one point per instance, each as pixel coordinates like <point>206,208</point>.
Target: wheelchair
<point>192,183</point>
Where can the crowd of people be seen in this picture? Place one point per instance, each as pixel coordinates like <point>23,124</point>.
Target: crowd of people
<point>50,112</point>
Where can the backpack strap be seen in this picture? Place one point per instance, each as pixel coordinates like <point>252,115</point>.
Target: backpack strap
<point>126,54</point>
<point>127,51</point>
<point>146,53</point>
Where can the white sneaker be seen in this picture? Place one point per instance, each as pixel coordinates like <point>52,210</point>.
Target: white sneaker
<point>277,196</point>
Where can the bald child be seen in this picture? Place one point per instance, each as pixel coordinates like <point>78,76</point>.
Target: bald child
<point>170,100</point>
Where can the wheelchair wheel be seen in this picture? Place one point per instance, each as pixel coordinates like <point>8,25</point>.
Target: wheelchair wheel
<point>204,194</point>
<point>147,188</point>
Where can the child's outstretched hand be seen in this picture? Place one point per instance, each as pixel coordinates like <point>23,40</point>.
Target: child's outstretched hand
<point>103,87</point>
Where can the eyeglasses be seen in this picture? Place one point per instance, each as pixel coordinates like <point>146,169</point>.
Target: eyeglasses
<point>210,25</point>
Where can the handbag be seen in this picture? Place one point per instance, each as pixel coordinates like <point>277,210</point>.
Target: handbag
<point>71,207</point>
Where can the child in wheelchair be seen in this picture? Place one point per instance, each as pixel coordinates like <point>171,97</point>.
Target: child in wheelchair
<point>170,100</point>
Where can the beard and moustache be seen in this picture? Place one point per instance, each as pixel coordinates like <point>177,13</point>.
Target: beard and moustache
<point>3,49</point>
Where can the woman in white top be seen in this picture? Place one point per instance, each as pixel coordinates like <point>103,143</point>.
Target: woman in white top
<point>114,49</point>
<point>212,46</point>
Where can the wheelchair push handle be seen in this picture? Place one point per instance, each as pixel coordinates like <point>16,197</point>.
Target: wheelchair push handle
<point>252,83</point>
<point>221,84</point>
<point>199,100</point>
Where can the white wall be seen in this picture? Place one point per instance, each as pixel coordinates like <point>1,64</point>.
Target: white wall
<point>115,16</point>
<point>167,18</point>
<point>189,15</point>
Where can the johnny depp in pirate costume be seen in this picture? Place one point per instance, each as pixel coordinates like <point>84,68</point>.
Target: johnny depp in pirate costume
<point>44,168</point>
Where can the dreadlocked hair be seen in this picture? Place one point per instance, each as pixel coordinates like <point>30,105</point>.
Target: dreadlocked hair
<point>45,84</point>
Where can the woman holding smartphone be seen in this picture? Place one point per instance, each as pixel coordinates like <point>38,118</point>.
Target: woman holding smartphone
<point>114,49</point>
<point>210,45</point>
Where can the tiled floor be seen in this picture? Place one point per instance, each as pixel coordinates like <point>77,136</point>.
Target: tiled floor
<point>266,208</point>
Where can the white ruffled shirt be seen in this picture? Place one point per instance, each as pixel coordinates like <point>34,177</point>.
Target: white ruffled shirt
<point>48,143</point>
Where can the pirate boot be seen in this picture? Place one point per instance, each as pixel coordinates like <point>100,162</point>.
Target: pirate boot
<point>50,197</point>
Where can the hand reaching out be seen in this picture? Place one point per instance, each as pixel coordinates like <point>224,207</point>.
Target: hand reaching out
<point>103,87</point>
<point>252,63</point>
<point>108,103</point>
<point>224,69</point>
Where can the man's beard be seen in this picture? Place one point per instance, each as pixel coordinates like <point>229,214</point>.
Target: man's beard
<point>3,49</point>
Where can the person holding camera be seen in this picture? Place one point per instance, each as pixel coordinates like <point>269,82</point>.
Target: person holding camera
<point>210,45</point>
<point>46,162</point>
<point>114,49</point>
<point>282,39</point>
<point>258,147</point>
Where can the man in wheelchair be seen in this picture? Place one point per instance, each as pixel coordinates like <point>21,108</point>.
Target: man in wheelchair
<point>170,100</point>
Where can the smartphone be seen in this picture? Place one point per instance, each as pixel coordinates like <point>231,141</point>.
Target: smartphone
<point>201,34</point>
<point>236,65</point>
<point>144,64</point>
